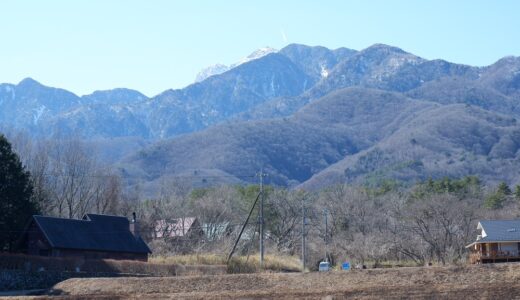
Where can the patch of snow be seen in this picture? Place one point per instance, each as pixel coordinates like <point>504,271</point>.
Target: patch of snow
<point>8,89</point>
<point>280,105</point>
<point>272,86</point>
<point>73,112</point>
<point>392,65</point>
<point>38,113</point>
<point>396,62</point>
<point>220,68</point>
<point>116,109</point>
<point>210,71</point>
<point>256,55</point>
<point>324,72</point>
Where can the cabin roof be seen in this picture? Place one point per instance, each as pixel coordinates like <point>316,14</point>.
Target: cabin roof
<point>500,231</point>
<point>93,232</point>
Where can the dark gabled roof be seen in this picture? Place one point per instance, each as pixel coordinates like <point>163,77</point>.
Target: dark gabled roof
<point>94,232</point>
<point>500,230</point>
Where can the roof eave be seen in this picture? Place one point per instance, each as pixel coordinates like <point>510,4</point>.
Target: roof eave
<point>43,231</point>
<point>494,241</point>
<point>105,250</point>
<point>470,245</point>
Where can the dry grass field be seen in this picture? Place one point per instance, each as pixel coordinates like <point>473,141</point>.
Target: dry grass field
<point>156,267</point>
<point>238,264</point>
<point>500,281</point>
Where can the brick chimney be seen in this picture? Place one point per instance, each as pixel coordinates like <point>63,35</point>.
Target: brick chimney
<point>134,226</point>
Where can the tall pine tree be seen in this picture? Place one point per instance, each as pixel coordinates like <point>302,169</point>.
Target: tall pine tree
<point>16,204</point>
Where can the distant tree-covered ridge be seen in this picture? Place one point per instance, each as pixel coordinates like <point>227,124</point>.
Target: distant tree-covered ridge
<point>312,116</point>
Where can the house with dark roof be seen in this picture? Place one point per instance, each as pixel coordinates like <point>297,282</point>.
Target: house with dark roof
<point>92,237</point>
<point>498,241</point>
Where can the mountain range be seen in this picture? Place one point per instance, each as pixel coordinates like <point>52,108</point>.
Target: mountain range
<point>309,116</point>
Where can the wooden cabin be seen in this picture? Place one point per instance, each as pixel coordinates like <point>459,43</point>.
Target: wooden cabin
<point>498,241</point>
<point>92,237</point>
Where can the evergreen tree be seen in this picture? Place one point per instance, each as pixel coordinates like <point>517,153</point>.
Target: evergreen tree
<point>504,189</point>
<point>16,204</point>
<point>495,200</point>
<point>517,192</point>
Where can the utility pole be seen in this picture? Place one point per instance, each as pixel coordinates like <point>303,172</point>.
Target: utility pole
<point>261,216</point>
<point>242,230</point>
<point>325,212</point>
<point>303,234</point>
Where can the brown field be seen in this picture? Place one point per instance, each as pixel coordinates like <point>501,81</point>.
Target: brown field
<point>500,281</point>
<point>72,264</point>
<point>238,264</point>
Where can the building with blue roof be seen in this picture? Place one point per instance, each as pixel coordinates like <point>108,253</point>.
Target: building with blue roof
<point>498,241</point>
<point>93,237</point>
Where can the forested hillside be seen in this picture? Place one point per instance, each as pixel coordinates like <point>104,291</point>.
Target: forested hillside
<point>310,116</point>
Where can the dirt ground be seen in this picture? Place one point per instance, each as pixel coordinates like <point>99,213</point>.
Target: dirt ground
<point>493,281</point>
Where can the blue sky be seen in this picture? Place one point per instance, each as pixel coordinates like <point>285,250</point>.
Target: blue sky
<point>155,45</point>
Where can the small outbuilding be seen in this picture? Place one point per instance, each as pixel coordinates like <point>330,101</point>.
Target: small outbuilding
<point>181,228</point>
<point>498,241</point>
<point>92,237</point>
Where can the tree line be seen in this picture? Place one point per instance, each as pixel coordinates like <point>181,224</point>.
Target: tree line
<point>425,222</point>
<point>60,177</point>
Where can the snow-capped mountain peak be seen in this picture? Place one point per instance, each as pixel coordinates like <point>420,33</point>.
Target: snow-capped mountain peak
<point>220,68</point>
<point>259,53</point>
<point>210,71</point>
